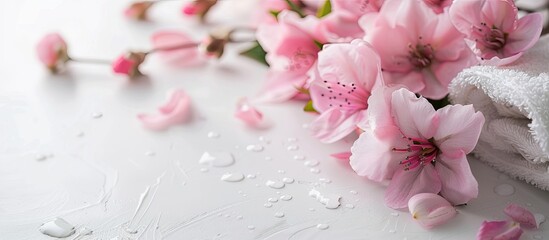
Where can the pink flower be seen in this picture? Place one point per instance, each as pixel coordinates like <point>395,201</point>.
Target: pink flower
<point>176,110</point>
<point>354,9</point>
<point>342,23</point>
<point>198,8</point>
<point>248,114</point>
<point>430,209</point>
<point>52,51</point>
<point>438,6</point>
<point>521,215</point>
<point>128,64</point>
<point>176,48</point>
<point>291,54</point>
<point>499,230</point>
<point>493,30</point>
<point>424,53</point>
<point>347,73</point>
<point>419,149</point>
<point>265,9</point>
<point>138,10</point>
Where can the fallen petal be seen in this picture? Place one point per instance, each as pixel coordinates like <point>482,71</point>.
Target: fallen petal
<point>430,209</point>
<point>521,215</point>
<point>248,114</point>
<point>500,230</point>
<point>341,155</point>
<point>177,48</point>
<point>175,111</point>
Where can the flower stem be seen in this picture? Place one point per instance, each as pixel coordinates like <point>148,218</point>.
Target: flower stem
<point>90,60</point>
<point>173,47</point>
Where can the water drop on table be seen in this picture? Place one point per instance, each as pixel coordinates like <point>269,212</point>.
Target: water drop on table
<point>239,217</point>
<point>150,153</point>
<point>268,205</point>
<point>292,139</point>
<point>299,157</point>
<point>273,200</point>
<point>254,148</point>
<point>213,135</point>
<point>281,171</point>
<point>292,148</point>
<point>204,170</point>
<point>250,176</point>
<point>251,227</point>
<point>392,231</point>
<point>288,180</point>
<point>349,206</point>
<point>274,184</point>
<point>311,163</point>
<point>58,228</point>
<point>330,201</point>
<point>232,177</point>
<point>216,159</point>
<point>353,192</point>
<point>314,170</point>
<point>97,115</point>
<point>312,209</point>
<point>395,214</point>
<point>504,189</point>
<point>279,214</point>
<point>324,180</point>
<point>264,139</point>
<point>322,226</point>
<point>286,197</point>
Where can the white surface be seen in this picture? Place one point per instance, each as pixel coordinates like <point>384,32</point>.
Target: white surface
<point>108,174</point>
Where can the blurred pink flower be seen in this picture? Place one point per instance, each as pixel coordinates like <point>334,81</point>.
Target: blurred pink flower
<point>500,230</point>
<point>265,9</point>
<point>128,64</point>
<point>198,8</point>
<point>438,6</point>
<point>430,210</point>
<point>175,110</point>
<point>138,10</point>
<point>176,48</point>
<point>52,51</point>
<point>291,54</point>
<point>419,149</point>
<point>248,114</point>
<point>424,51</point>
<point>347,73</point>
<point>493,30</point>
<point>341,25</point>
<point>521,215</point>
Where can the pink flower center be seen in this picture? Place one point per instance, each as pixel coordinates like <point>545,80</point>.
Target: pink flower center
<point>421,55</point>
<point>421,152</point>
<point>346,96</point>
<point>301,61</point>
<point>492,38</point>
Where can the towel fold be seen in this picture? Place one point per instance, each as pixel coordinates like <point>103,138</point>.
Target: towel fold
<point>515,102</point>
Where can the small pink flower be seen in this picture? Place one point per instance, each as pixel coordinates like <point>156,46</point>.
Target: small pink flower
<point>176,110</point>
<point>52,51</point>
<point>128,64</point>
<point>347,73</point>
<point>291,54</point>
<point>438,6</point>
<point>342,23</point>
<point>248,114</point>
<point>499,230</point>
<point>430,210</point>
<point>198,8</point>
<point>138,10</point>
<point>176,48</point>
<point>419,149</point>
<point>424,53</point>
<point>493,30</point>
<point>521,215</point>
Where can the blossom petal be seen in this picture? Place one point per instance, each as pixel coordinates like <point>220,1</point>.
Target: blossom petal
<point>500,230</point>
<point>406,184</point>
<point>180,57</point>
<point>175,111</point>
<point>460,129</point>
<point>341,155</point>
<point>521,215</point>
<point>464,14</point>
<point>280,86</point>
<point>415,116</point>
<point>430,209</point>
<point>526,35</point>
<point>459,185</point>
<point>373,157</point>
<point>334,124</point>
<point>501,14</point>
<point>248,114</point>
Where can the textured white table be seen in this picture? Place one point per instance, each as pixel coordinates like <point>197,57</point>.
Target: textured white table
<point>98,168</point>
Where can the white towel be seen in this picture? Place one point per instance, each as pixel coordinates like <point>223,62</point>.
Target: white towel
<point>515,102</point>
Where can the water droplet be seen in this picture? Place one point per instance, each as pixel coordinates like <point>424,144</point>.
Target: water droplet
<point>268,158</point>
<point>204,170</point>
<point>217,159</point>
<point>279,214</point>
<point>504,189</point>
<point>293,148</point>
<point>330,201</point>
<point>540,218</point>
<point>254,148</point>
<point>227,215</point>
<point>97,115</point>
<point>292,139</point>
<point>395,214</point>
<point>41,157</point>
<point>264,139</point>
<point>288,180</point>
<point>312,209</point>
<point>239,217</point>
<point>311,163</point>
<point>314,170</point>
<point>537,237</point>
<point>213,135</point>
<point>281,171</point>
<point>322,226</point>
<point>392,231</point>
<point>324,180</point>
<point>274,184</point>
<point>286,197</point>
<point>353,192</point>
<point>150,153</point>
<point>232,177</point>
<point>350,206</point>
<point>272,200</point>
<point>250,176</point>
<point>299,157</point>
<point>268,205</point>
<point>251,227</point>
<point>58,228</point>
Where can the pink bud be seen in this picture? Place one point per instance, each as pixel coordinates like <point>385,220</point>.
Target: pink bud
<point>128,64</point>
<point>248,114</point>
<point>430,209</point>
<point>138,10</point>
<point>521,215</point>
<point>500,230</point>
<point>190,9</point>
<point>52,51</point>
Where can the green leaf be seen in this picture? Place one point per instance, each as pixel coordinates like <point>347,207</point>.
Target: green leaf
<point>309,107</point>
<point>319,44</point>
<point>325,9</point>
<point>295,8</point>
<point>256,53</point>
<point>274,13</point>
<point>438,104</point>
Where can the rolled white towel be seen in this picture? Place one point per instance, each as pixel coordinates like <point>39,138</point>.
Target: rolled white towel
<point>515,102</point>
